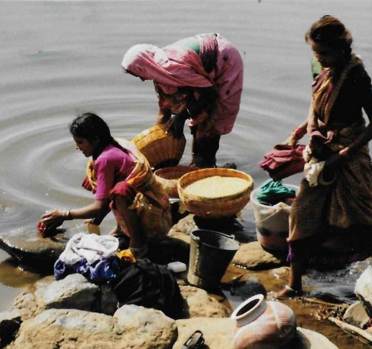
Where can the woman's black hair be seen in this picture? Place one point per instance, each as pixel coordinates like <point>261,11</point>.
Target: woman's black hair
<point>94,129</point>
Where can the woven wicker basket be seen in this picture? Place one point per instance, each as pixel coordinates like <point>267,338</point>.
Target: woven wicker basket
<point>168,177</point>
<point>225,206</point>
<point>159,146</point>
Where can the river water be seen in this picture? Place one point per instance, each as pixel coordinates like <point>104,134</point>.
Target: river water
<point>58,59</point>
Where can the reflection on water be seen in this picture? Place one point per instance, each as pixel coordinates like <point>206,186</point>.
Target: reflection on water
<point>61,59</point>
<point>12,278</point>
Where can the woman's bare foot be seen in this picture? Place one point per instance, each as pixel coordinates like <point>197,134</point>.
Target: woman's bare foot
<point>116,231</point>
<point>287,292</point>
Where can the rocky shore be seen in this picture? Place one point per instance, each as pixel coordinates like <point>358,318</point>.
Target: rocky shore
<point>74,313</point>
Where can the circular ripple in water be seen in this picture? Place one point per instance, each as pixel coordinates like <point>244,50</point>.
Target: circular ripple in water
<point>41,168</point>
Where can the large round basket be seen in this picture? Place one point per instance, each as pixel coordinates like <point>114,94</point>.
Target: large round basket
<point>159,146</point>
<point>225,206</point>
<point>168,177</point>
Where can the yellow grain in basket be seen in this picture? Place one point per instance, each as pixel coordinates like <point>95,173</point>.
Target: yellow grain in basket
<point>217,187</point>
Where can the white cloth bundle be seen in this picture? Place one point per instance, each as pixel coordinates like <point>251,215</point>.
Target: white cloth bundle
<point>89,246</point>
<point>312,171</point>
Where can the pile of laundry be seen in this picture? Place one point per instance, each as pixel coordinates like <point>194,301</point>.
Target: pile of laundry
<point>134,281</point>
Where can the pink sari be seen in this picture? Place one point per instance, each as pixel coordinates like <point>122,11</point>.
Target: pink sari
<point>178,66</point>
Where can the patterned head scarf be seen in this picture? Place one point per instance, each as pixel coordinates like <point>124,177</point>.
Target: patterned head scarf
<point>166,66</point>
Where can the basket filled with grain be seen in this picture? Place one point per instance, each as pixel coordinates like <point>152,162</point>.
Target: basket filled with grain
<point>159,146</point>
<point>168,177</point>
<point>215,192</point>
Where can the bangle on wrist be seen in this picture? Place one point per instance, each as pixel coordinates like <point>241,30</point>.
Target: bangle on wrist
<point>68,215</point>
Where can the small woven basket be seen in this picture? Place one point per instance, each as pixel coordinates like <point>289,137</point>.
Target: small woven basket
<point>168,177</point>
<point>225,206</point>
<point>159,146</point>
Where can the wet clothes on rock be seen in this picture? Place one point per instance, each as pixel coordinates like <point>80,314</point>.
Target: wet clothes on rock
<point>134,281</point>
<point>101,271</point>
<point>346,203</point>
<point>90,247</point>
<point>141,282</point>
<point>90,255</point>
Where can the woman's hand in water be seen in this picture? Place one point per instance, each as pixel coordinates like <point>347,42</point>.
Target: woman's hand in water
<point>55,215</point>
<point>51,220</point>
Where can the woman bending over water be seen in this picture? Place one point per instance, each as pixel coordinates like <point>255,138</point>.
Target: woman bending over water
<point>121,180</point>
<point>199,78</point>
<point>343,200</point>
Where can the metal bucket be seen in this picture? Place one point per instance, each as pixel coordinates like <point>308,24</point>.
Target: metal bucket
<point>210,254</point>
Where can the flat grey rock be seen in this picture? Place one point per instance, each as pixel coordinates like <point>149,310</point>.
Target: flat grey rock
<point>363,289</point>
<point>70,328</point>
<point>72,292</point>
<point>356,315</point>
<point>30,249</point>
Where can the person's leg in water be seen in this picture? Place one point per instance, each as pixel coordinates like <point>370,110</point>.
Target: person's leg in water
<point>294,286</point>
<point>299,253</point>
<point>204,149</point>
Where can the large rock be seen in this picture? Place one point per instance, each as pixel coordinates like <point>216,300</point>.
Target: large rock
<point>75,292</point>
<point>183,228</point>
<point>356,315</point>
<point>9,325</point>
<point>252,256</point>
<point>243,227</point>
<point>62,328</point>
<point>26,304</point>
<point>308,339</point>
<point>201,304</point>
<point>145,328</point>
<point>363,289</point>
<point>31,249</point>
<point>72,292</point>
<point>66,329</point>
<point>218,333</point>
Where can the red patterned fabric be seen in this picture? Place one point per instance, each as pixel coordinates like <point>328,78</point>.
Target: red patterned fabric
<point>283,161</point>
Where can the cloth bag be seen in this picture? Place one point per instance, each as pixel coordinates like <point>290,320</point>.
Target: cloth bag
<point>150,285</point>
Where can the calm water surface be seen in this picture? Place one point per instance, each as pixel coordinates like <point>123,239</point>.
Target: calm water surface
<point>58,59</point>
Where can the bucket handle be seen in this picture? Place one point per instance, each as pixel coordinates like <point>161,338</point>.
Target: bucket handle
<point>232,236</point>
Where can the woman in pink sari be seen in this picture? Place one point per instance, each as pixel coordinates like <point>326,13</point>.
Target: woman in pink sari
<point>199,78</point>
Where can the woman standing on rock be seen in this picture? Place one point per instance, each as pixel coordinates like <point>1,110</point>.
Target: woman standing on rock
<point>199,78</point>
<point>121,180</point>
<point>342,199</point>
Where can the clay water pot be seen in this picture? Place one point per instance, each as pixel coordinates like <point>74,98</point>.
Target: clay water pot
<point>263,324</point>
